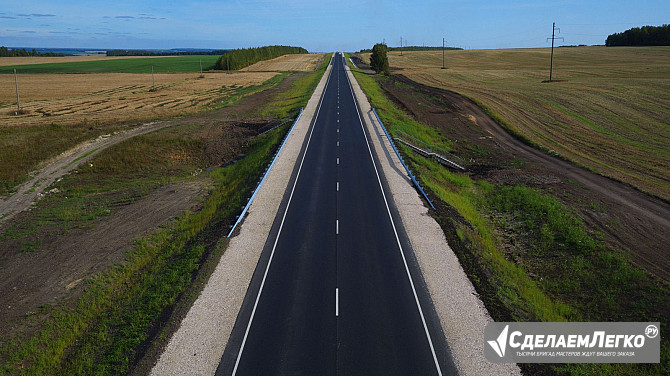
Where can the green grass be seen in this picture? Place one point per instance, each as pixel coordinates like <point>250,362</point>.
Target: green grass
<point>559,270</point>
<point>21,150</point>
<point>104,331</point>
<point>171,64</point>
<point>609,111</point>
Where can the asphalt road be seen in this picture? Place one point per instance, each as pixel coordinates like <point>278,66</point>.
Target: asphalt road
<point>337,290</point>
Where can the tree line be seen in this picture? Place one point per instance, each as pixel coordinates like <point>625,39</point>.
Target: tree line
<point>162,53</point>
<point>6,52</point>
<point>241,58</point>
<point>641,36</point>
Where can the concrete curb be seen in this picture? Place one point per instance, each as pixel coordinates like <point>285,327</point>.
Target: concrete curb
<point>197,346</point>
<point>462,314</point>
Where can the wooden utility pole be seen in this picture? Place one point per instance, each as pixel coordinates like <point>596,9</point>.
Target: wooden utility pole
<point>443,67</point>
<point>18,103</point>
<point>553,37</point>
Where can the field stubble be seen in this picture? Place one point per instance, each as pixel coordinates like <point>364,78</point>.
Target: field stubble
<point>108,97</point>
<point>608,110</point>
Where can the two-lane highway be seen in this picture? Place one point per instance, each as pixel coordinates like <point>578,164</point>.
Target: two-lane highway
<point>335,291</point>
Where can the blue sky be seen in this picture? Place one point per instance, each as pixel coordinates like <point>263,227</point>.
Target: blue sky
<point>318,25</point>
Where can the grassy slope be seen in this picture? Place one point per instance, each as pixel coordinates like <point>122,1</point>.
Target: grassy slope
<point>102,332</point>
<point>170,64</point>
<point>609,112</point>
<point>590,283</point>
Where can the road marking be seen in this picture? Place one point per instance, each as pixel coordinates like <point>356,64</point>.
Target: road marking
<point>281,226</point>
<point>337,301</point>
<point>338,143</point>
<point>395,231</point>
<point>338,160</point>
<point>338,186</point>
<point>337,227</point>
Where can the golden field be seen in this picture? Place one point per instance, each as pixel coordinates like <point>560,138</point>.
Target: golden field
<point>112,97</point>
<point>287,63</point>
<point>608,109</point>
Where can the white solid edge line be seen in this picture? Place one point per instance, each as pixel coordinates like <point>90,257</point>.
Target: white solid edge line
<point>416,297</point>
<point>281,225</point>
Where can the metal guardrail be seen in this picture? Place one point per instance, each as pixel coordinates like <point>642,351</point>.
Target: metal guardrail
<point>430,148</point>
<point>409,172</point>
<point>352,62</point>
<point>265,175</point>
<point>431,154</point>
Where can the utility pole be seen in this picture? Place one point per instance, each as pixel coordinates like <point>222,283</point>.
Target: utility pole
<point>553,37</point>
<point>153,82</point>
<point>443,67</point>
<point>400,46</point>
<point>18,103</point>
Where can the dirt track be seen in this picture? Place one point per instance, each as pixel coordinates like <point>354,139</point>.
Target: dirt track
<point>55,272</point>
<point>33,189</point>
<point>631,219</point>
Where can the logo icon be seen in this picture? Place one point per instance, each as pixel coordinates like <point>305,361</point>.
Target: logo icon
<point>651,331</point>
<point>500,344</point>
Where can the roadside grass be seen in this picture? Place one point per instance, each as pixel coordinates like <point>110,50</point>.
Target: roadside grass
<point>298,95</point>
<point>102,332</point>
<point>123,311</point>
<point>537,254</point>
<point>22,151</point>
<point>608,111</point>
<point>168,64</point>
<point>118,176</point>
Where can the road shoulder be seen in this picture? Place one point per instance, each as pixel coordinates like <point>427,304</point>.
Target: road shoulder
<point>197,346</point>
<point>461,313</point>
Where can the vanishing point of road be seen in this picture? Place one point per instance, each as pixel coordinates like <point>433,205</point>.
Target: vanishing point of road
<point>337,290</point>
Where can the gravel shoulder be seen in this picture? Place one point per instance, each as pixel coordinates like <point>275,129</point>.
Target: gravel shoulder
<point>461,313</point>
<point>197,346</point>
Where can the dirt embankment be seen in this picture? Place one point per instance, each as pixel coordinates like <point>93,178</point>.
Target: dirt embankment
<point>55,272</point>
<point>628,218</point>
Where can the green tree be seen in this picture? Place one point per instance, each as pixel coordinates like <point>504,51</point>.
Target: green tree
<point>379,61</point>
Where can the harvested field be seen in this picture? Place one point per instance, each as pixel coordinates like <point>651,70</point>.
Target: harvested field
<point>608,111</point>
<point>287,63</point>
<point>116,97</point>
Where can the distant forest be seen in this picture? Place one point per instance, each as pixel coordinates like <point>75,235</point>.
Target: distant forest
<point>414,48</point>
<point>161,53</point>
<point>641,36</point>
<point>241,58</point>
<point>6,52</point>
